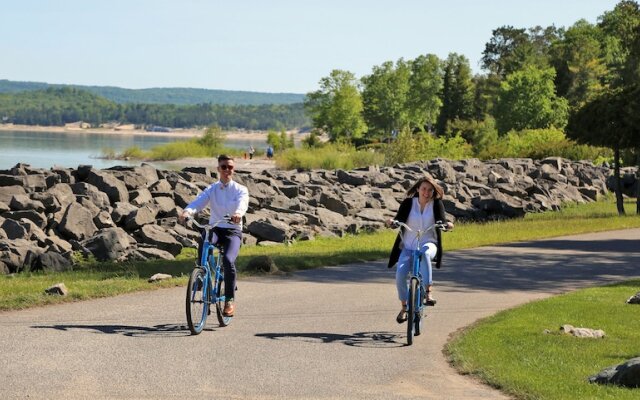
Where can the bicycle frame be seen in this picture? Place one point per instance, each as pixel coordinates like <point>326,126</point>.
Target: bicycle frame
<point>213,270</point>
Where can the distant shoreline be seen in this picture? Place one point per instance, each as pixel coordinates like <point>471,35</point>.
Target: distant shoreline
<point>128,130</point>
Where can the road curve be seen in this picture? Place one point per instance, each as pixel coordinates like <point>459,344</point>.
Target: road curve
<point>328,333</point>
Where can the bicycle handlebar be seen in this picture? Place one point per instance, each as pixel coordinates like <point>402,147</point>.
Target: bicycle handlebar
<point>438,225</point>
<point>207,227</point>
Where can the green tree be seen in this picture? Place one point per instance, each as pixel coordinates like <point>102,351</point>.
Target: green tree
<point>510,49</point>
<point>425,85</point>
<point>621,27</point>
<point>611,120</point>
<point>458,93</point>
<point>213,137</point>
<point>527,100</point>
<point>580,66</point>
<point>384,97</point>
<point>336,107</point>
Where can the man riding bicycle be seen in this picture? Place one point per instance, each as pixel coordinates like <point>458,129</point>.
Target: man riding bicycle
<point>225,198</point>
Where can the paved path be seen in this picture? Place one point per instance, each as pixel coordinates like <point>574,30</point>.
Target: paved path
<point>323,334</point>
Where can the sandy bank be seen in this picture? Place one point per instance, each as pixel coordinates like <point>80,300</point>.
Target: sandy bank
<point>129,130</point>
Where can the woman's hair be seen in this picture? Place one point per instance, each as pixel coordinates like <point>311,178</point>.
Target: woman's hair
<point>439,193</point>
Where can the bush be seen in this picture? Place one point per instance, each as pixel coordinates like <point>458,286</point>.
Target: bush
<point>409,147</point>
<point>541,143</point>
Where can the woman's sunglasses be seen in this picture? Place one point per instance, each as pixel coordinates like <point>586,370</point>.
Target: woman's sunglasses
<point>226,167</point>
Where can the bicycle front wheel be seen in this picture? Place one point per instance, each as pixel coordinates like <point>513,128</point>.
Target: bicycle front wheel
<point>411,310</point>
<point>222,319</point>
<point>197,304</point>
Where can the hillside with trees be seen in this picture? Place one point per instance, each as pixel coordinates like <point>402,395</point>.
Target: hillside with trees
<point>58,106</point>
<point>181,96</point>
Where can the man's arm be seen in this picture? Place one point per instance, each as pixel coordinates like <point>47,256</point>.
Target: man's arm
<point>243,204</point>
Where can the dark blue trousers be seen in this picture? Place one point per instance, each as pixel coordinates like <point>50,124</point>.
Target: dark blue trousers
<point>229,240</point>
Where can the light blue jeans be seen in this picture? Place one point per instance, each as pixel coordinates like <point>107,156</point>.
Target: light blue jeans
<point>405,267</point>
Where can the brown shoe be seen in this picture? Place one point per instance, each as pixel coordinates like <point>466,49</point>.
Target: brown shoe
<point>228,309</point>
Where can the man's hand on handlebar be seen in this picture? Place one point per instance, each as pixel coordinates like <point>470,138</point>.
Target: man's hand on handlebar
<point>236,218</point>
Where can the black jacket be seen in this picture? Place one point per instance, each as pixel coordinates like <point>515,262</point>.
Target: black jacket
<point>403,215</point>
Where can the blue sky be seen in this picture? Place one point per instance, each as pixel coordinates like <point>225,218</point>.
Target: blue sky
<point>267,46</point>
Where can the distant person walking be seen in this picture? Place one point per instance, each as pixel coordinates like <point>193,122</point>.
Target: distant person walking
<point>251,151</point>
<point>270,152</point>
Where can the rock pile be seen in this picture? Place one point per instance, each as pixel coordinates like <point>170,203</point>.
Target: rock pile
<point>130,213</point>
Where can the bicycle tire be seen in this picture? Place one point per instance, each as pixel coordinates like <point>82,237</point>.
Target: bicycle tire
<point>419,312</point>
<point>222,319</point>
<point>197,306</point>
<point>411,310</point>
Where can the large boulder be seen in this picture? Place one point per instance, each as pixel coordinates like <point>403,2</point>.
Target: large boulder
<point>7,192</point>
<point>159,238</point>
<point>23,202</point>
<point>77,223</point>
<point>108,244</point>
<point>109,184</point>
<point>271,230</point>
<point>626,374</point>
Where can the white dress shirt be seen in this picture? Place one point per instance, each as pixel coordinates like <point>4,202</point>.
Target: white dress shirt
<point>223,199</point>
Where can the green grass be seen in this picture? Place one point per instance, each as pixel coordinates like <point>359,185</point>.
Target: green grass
<point>510,351</point>
<point>99,280</point>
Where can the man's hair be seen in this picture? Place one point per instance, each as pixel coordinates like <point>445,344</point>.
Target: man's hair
<point>224,157</point>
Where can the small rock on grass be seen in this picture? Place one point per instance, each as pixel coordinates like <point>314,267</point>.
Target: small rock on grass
<point>635,299</point>
<point>58,289</point>
<point>582,332</point>
<point>159,277</point>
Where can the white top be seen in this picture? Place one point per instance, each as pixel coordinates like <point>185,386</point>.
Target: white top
<point>419,221</point>
<point>229,199</point>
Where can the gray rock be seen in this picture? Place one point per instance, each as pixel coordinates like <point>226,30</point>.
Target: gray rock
<point>109,184</point>
<point>626,374</point>
<point>14,230</point>
<point>635,299</point>
<point>159,238</point>
<point>121,210</point>
<point>51,261</point>
<point>270,230</point>
<point>7,192</point>
<point>58,289</point>
<point>77,223</point>
<point>582,332</point>
<point>23,202</point>
<point>160,277</point>
<point>32,215</point>
<point>108,244</point>
<point>264,264</point>
<point>92,193</point>
<point>140,197</point>
<point>142,216</point>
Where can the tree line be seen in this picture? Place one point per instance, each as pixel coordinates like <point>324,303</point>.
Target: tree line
<point>163,95</point>
<point>56,106</point>
<point>537,78</point>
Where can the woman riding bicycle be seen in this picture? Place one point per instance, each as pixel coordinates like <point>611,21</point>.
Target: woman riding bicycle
<point>420,210</point>
<point>225,197</point>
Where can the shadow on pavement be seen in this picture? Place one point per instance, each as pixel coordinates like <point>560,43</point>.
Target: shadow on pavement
<point>360,339</point>
<point>546,265</point>
<point>164,330</point>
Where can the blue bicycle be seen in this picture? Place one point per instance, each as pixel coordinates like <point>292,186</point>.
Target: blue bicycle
<point>416,297</point>
<point>206,284</point>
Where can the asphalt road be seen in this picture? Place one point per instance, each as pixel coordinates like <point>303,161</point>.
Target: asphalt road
<point>329,333</point>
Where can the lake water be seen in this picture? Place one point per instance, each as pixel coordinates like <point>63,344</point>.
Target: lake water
<point>46,149</point>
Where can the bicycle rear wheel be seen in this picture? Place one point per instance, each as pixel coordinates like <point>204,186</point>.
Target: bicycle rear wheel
<point>222,319</point>
<point>197,304</point>
<point>411,310</point>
